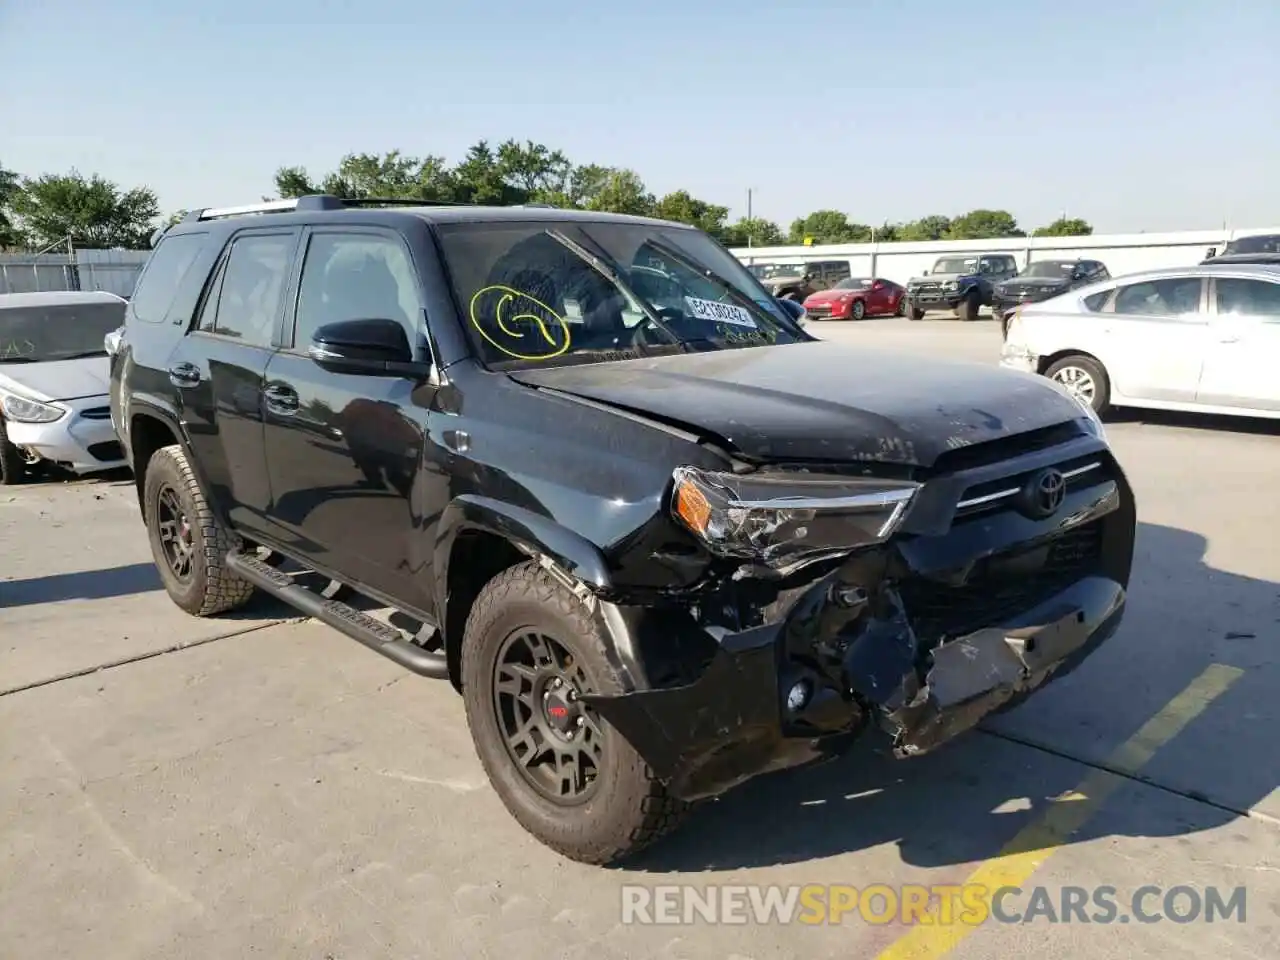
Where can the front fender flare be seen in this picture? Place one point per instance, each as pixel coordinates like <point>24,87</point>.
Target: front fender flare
<point>530,532</point>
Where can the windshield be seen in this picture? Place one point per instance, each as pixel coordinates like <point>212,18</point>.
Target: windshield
<point>1050,268</point>
<point>853,283</point>
<point>61,331</point>
<point>1265,243</point>
<point>531,297</point>
<point>778,271</point>
<point>956,265</point>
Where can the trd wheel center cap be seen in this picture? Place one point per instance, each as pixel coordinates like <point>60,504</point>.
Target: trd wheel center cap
<point>560,715</point>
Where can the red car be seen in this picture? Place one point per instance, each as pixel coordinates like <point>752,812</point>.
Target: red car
<point>855,298</point>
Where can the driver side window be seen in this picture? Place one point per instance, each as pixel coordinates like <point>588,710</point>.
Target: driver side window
<point>355,276</point>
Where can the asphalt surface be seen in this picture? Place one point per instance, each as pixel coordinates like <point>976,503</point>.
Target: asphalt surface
<point>260,786</point>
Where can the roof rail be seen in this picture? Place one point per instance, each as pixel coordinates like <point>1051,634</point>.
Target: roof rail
<point>314,201</point>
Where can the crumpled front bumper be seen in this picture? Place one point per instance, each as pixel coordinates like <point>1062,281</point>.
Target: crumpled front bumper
<point>83,441</point>
<point>862,645</point>
<point>734,723</point>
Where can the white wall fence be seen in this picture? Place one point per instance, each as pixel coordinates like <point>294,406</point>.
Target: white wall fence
<point>1121,252</point>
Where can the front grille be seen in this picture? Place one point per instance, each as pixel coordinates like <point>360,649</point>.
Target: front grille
<point>819,310</point>
<point>994,495</point>
<point>96,413</point>
<point>1002,586</point>
<point>106,451</point>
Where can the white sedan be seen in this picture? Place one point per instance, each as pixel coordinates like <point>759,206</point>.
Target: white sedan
<point>1202,339</point>
<point>53,382</point>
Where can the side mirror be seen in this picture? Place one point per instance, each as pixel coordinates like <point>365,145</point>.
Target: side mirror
<point>1211,253</point>
<point>924,273</point>
<point>375,347</point>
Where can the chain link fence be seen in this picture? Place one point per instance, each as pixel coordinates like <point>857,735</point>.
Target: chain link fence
<point>115,271</point>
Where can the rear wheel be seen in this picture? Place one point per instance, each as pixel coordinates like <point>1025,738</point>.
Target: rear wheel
<point>13,464</point>
<point>188,542</point>
<point>530,652</point>
<point>1084,378</point>
<point>901,310</point>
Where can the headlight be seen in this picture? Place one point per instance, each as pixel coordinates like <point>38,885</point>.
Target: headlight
<point>781,520</point>
<point>111,342</point>
<point>22,410</point>
<point>953,285</point>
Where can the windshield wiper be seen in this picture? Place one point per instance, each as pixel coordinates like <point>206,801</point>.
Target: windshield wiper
<point>613,275</point>
<point>88,353</point>
<point>18,360</point>
<point>707,273</point>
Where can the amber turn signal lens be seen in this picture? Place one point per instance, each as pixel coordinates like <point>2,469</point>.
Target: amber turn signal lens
<point>692,507</point>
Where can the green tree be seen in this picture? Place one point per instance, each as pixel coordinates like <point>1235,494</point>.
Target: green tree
<point>1065,227</point>
<point>684,208</point>
<point>89,211</point>
<point>754,232</point>
<point>10,185</point>
<point>534,169</point>
<point>983,225</point>
<point>828,226</point>
<point>933,227</point>
<point>622,192</point>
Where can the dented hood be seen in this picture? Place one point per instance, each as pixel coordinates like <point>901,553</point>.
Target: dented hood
<point>822,401</point>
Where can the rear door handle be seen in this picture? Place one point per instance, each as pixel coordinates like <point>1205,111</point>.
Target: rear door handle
<point>184,375</point>
<point>281,399</point>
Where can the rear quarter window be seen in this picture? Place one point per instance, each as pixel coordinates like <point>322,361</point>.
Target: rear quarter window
<point>163,275</point>
<point>1096,301</point>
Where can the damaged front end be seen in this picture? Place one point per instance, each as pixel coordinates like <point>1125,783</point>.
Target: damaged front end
<point>918,606</point>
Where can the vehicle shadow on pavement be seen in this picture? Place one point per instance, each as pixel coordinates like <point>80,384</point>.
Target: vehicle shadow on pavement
<point>119,581</point>
<point>1259,426</point>
<point>964,802</point>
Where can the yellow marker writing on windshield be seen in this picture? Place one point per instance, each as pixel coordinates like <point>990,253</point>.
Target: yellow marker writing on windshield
<point>505,312</point>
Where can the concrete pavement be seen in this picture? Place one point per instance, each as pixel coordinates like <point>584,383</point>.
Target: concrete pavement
<point>254,787</point>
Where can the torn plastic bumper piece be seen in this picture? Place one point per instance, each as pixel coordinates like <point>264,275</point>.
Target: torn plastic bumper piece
<point>733,722</point>
<point>976,675</point>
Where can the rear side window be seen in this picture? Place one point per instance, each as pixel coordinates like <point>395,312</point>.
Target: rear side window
<point>244,301</point>
<point>163,275</point>
<point>1095,302</point>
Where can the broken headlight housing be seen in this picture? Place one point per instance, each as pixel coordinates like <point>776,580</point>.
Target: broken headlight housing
<point>782,520</point>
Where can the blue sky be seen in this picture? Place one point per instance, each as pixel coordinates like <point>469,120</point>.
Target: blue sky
<point>1134,115</point>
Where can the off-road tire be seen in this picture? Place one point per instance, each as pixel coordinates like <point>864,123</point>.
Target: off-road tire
<point>967,309</point>
<point>1102,383</point>
<point>13,469</point>
<point>630,809</point>
<point>913,313</point>
<point>212,588</point>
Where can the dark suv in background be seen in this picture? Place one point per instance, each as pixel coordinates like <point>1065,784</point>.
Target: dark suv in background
<point>959,282</point>
<point>583,467</point>
<point>1042,280</point>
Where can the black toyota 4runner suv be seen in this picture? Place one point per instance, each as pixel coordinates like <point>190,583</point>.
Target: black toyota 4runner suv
<point>584,468</point>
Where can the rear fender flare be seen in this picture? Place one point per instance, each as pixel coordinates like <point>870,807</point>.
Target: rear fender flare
<point>169,419</point>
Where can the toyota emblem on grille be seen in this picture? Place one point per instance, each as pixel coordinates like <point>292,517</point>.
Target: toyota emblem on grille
<point>1044,493</point>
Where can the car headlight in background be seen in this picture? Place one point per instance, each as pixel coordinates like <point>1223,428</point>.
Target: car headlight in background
<point>111,342</point>
<point>23,410</point>
<point>953,285</point>
<point>785,520</point>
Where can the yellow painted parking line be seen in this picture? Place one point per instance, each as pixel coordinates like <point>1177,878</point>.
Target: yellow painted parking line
<point>1037,841</point>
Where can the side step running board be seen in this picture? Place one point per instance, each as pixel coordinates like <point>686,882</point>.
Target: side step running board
<point>374,634</point>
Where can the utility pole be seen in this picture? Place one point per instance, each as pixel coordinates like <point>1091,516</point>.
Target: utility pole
<point>749,223</point>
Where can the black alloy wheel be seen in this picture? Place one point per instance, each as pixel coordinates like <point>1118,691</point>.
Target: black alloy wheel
<point>177,538</point>
<point>554,741</point>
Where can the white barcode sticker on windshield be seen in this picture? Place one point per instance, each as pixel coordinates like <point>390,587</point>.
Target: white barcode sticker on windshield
<point>718,312</point>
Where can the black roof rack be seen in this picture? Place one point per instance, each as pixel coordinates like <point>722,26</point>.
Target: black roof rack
<point>326,201</point>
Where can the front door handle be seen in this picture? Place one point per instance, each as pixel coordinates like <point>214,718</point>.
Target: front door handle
<point>184,375</point>
<point>281,399</point>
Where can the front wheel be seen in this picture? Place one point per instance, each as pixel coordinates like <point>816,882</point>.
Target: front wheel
<point>530,652</point>
<point>858,310</point>
<point>967,310</point>
<point>913,312</point>
<point>1084,378</point>
<point>188,542</point>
